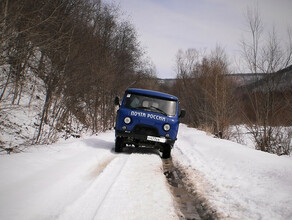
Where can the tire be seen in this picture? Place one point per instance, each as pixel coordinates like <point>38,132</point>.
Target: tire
<point>119,144</point>
<point>166,151</point>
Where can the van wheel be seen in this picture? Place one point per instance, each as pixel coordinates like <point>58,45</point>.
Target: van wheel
<point>119,144</point>
<point>166,151</point>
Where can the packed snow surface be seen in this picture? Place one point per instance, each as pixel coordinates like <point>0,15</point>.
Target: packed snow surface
<point>85,179</point>
<point>240,182</point>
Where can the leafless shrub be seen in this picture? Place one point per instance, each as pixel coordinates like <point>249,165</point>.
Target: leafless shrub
<point>263,103</point>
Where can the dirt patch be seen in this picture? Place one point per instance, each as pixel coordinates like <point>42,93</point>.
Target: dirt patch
<point>190,205</point>
<point>95,171</point>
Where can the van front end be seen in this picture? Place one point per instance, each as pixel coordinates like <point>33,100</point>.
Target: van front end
<point>147,118</point>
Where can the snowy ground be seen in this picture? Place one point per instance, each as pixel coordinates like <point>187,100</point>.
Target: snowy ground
<point>85,179</point>
<point>240,182</point>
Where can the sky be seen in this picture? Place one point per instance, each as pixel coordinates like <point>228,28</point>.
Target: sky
<point>166,26</point>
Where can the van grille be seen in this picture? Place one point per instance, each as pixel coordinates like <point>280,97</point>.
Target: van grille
<point>145,130</point>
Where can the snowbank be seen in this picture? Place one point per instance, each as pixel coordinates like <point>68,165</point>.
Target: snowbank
<point>241,183</point>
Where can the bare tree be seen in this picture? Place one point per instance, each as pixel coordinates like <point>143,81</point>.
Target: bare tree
<point>205,89</point>
<point>262,101</point>
<point>82,51</point>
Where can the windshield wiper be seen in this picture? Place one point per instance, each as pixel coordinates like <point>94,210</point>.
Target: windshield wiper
<point>159,110</point>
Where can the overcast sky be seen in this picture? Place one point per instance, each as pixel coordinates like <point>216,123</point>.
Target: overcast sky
<point>165,26</point>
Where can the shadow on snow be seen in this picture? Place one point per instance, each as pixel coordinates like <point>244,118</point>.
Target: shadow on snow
<point>110,145</point>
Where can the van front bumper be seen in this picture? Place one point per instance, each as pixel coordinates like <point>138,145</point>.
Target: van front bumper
<point>144,138</point>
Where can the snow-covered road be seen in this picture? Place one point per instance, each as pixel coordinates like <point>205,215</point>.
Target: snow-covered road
<point>84,179</point>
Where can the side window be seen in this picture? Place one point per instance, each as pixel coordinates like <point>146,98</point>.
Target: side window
<point>134,102</point>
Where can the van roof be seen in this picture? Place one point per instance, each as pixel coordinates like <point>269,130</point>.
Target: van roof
<point>152,93</point>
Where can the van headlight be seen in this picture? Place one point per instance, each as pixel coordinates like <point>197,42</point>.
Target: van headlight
<point>166,127</point>
<point>127,120</point>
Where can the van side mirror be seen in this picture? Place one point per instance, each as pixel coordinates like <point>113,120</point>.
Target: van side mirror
<point>182,113</point>
<point>117,101</point>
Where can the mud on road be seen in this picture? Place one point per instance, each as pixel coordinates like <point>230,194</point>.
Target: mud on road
<point>189,205</point>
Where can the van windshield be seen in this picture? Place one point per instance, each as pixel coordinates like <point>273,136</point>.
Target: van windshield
<point>150,103</point>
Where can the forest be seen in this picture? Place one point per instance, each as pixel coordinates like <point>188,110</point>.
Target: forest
<point>80,55</point>
<point>84,53</point>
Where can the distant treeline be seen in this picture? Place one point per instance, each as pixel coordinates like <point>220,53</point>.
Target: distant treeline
<point>215,102</point>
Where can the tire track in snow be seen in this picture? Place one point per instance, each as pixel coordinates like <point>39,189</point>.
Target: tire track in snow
<point>54,182</point>
<point>185,202</point>
<point>87,206</point>
<point>111,182</point>
<point>97,169</point>
<point>190,203</point>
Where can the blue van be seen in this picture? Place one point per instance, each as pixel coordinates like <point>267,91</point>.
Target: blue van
<point>147,118</point>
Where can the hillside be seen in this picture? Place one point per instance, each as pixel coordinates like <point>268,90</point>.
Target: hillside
<point>280,81</point>
<point>283,78</point>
